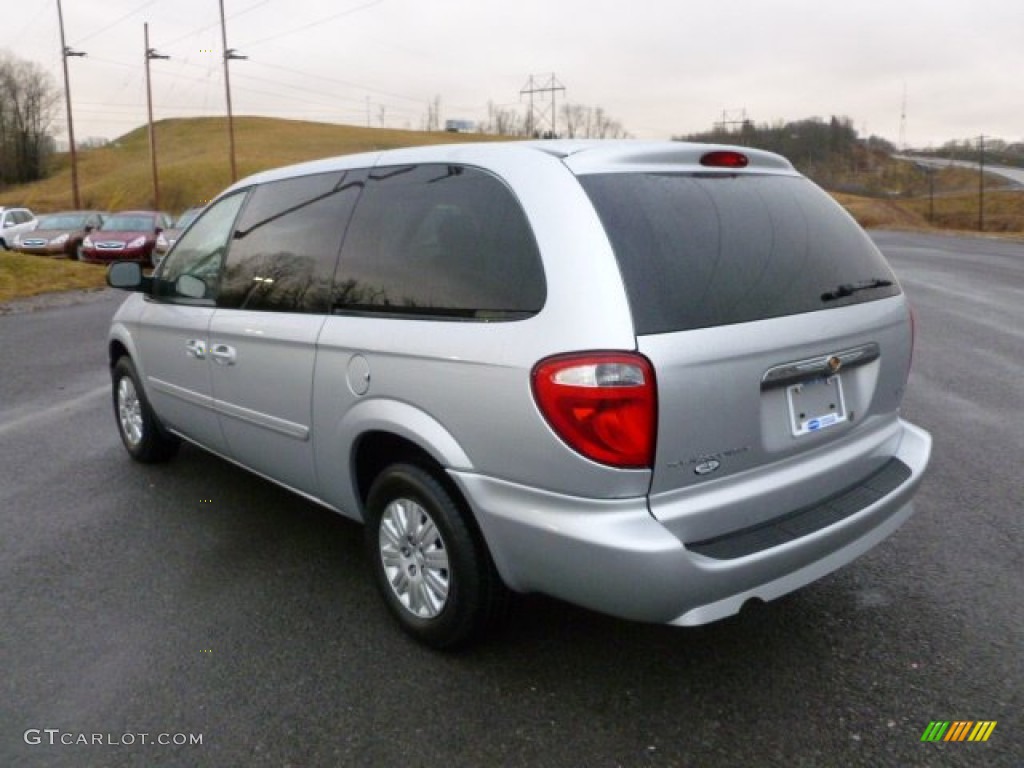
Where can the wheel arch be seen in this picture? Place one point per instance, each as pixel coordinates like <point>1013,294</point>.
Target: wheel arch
<point>377,449</point>
<point>116,349</point>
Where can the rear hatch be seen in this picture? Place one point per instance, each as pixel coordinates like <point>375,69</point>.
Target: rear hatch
<point>777,331</point>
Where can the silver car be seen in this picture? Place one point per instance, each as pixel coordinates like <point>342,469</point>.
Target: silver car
<point>659,380</point>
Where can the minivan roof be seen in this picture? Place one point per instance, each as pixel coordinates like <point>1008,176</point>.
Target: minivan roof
<point>581,155</point>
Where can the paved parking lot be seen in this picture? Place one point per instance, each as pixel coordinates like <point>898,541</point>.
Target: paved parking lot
<point>194,600</point>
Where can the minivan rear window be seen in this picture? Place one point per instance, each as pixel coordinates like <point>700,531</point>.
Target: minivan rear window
<point>703,250</point>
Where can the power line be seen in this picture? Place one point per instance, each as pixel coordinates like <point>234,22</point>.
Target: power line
<point>31,23</point>
<point>216,24</point>
<point>113,24</point>
<point>318,22</point>
<point>347,83</point>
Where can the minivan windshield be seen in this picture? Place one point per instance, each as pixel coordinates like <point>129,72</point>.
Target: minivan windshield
<point>702,250</point>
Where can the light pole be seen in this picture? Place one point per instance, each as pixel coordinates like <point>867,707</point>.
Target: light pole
<point>151,54</point>
<point>229,54</point>
<point>981,183</point>
<point>929,171</point>
<point>65,53</point>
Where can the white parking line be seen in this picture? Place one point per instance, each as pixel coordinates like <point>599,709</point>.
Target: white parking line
<point>34,419</point>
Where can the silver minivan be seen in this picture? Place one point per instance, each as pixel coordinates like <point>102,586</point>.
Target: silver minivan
<point>658,380</point>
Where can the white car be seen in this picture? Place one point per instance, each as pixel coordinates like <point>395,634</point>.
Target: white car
<point>13,222</point>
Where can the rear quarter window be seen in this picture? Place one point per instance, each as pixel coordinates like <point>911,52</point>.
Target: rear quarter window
<point>439,241</point>
<point>704,250</point>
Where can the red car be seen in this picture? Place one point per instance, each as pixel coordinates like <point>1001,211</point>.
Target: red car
<point>125,236</point>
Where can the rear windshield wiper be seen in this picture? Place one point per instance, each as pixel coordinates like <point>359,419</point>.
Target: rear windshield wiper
<point>848,289</point>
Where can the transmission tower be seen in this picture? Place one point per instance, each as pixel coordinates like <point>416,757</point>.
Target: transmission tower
<point>541,112</point>
<point>732,120</point>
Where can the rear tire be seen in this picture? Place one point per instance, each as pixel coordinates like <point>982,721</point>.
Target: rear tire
<point>429,562</point>
<point>143,437</point>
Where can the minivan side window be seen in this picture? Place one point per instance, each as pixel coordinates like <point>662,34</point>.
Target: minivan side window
<point>439,241</point>
<point>286,243</point>
<point>200,251</point>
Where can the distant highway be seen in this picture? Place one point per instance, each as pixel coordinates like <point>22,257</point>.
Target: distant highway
<point>1013,175</point>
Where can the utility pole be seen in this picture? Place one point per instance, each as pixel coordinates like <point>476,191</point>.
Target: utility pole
<point>981,183</point>
<point>229,54</point>
<point>539,115</point>
<point>903,120</point>
<point>151,54</point>
<point>931,196</point>
<point>65,53</point>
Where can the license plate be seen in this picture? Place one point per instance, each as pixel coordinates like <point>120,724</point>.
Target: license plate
<point>816,405</point>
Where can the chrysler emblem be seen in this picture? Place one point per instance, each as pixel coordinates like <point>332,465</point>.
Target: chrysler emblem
<point>706,466</point>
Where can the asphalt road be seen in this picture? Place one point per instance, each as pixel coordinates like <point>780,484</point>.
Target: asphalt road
<point>194,600</point>
<point>1014,175</point>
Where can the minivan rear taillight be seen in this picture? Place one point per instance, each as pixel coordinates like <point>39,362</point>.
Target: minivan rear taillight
<point>603,405</point>
<point>724,158</point>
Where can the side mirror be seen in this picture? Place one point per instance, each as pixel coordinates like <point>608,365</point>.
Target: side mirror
<point>190,286</point>
<point>126,275</point>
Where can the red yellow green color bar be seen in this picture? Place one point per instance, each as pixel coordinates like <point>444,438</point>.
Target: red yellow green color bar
<point>958,730</point>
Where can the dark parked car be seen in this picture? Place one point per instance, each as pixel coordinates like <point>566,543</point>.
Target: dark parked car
<point>125,236</point>
<point>59,234</point>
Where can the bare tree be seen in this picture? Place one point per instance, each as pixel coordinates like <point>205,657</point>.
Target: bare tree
<point>503,121</point>
<point>28,103</point>
<point>584,122</point>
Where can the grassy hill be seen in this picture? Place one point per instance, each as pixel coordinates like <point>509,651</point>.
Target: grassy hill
<point>193,167</point>
<point>192,157</point>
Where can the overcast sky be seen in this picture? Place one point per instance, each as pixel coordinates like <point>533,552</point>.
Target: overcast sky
<point>660,67</point>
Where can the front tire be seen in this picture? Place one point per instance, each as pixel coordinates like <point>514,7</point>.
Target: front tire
<point>429,562</point>
<point>141,433</point>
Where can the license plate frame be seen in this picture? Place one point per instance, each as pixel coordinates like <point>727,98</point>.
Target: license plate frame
<point>816,405</point>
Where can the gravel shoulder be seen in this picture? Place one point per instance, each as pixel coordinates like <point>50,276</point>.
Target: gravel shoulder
<point>52,300</point>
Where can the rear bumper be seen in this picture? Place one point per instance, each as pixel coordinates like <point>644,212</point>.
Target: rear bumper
<point>614,556</point>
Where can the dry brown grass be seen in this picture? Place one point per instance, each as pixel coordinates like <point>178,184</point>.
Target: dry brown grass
<point>1004,212</point>
<point>194,168</point>
<point>22,275</point>
<point>873,213</point>
<point>193,160</point>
